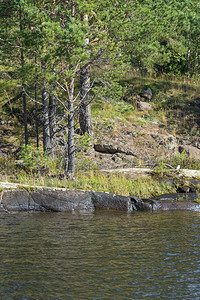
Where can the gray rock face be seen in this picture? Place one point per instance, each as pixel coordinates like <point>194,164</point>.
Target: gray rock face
<point>63,200</point>
<point>105,201</point>
<point>176,201</point>
<point>168,141</point>
<point>179,205</point>
<point>45,199</point>
<point>20,200</point>
<point>144,204</point>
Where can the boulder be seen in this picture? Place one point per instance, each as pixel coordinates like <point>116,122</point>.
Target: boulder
<point>105,148</point>
<point>109,201</point>
<point>147,96</point>
<point>178,197</point>
<point>179,205</point>
<point>144,106</point>
<point>176,201</point>
<point>144,204</point>
<point>113,149</point>
<point>191,151</point>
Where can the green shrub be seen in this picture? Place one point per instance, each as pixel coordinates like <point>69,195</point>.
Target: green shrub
<point>83,142</point>
<point>182,159</point>
<point>36,161</point>
<point>85,164</point>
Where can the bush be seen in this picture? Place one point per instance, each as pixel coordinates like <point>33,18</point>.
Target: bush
<point>36,161</point>
<point>185,161</point>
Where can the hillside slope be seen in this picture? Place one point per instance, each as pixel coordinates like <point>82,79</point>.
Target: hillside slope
<point>124,135</point>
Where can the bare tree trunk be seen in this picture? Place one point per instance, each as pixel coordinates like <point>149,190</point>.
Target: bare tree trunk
<point>52,123</point>
<point>23,87</point>
<point>25,118</point>
<point>70,166</point>
<point>36,118</point>
<point>45,121</point>
<point>196,60</point>
<point>36,107</point>
<point>73,8</point>
<point>85,109</point>
<point>189,55</point>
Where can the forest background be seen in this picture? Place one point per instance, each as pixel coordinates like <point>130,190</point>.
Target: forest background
<point>58,58</point>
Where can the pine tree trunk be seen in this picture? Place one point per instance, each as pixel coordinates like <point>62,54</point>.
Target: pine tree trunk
<point>85,109</point>
<point>70,166</point>
<point>45,121</point>
<point>73,8</point>
<point>52,123</point>
<point>36,118</point>
<point>23,87</point>
<point>36,107</point>
<point>25,118</point>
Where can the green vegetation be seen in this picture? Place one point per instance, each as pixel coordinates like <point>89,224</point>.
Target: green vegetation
<point>27,188</point>
<point>183,160</point>
<point>97,55</point>
<point>34,167</point>
<point>95,180</point>
<point>35,161</point>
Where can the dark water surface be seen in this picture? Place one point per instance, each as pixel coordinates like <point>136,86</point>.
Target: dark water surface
<point>100,256</point>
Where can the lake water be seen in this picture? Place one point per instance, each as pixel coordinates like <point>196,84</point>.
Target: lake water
<point>102,255</point>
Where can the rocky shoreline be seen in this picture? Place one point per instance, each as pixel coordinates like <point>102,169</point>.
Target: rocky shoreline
<point>14,197</point>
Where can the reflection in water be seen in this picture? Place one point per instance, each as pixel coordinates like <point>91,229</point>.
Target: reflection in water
<point>100,256</point>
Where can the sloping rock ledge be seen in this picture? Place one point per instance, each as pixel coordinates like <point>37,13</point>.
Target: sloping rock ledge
<point>24,198</point>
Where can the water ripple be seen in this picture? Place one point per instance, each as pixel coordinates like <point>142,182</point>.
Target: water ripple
<point>100,256</point>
